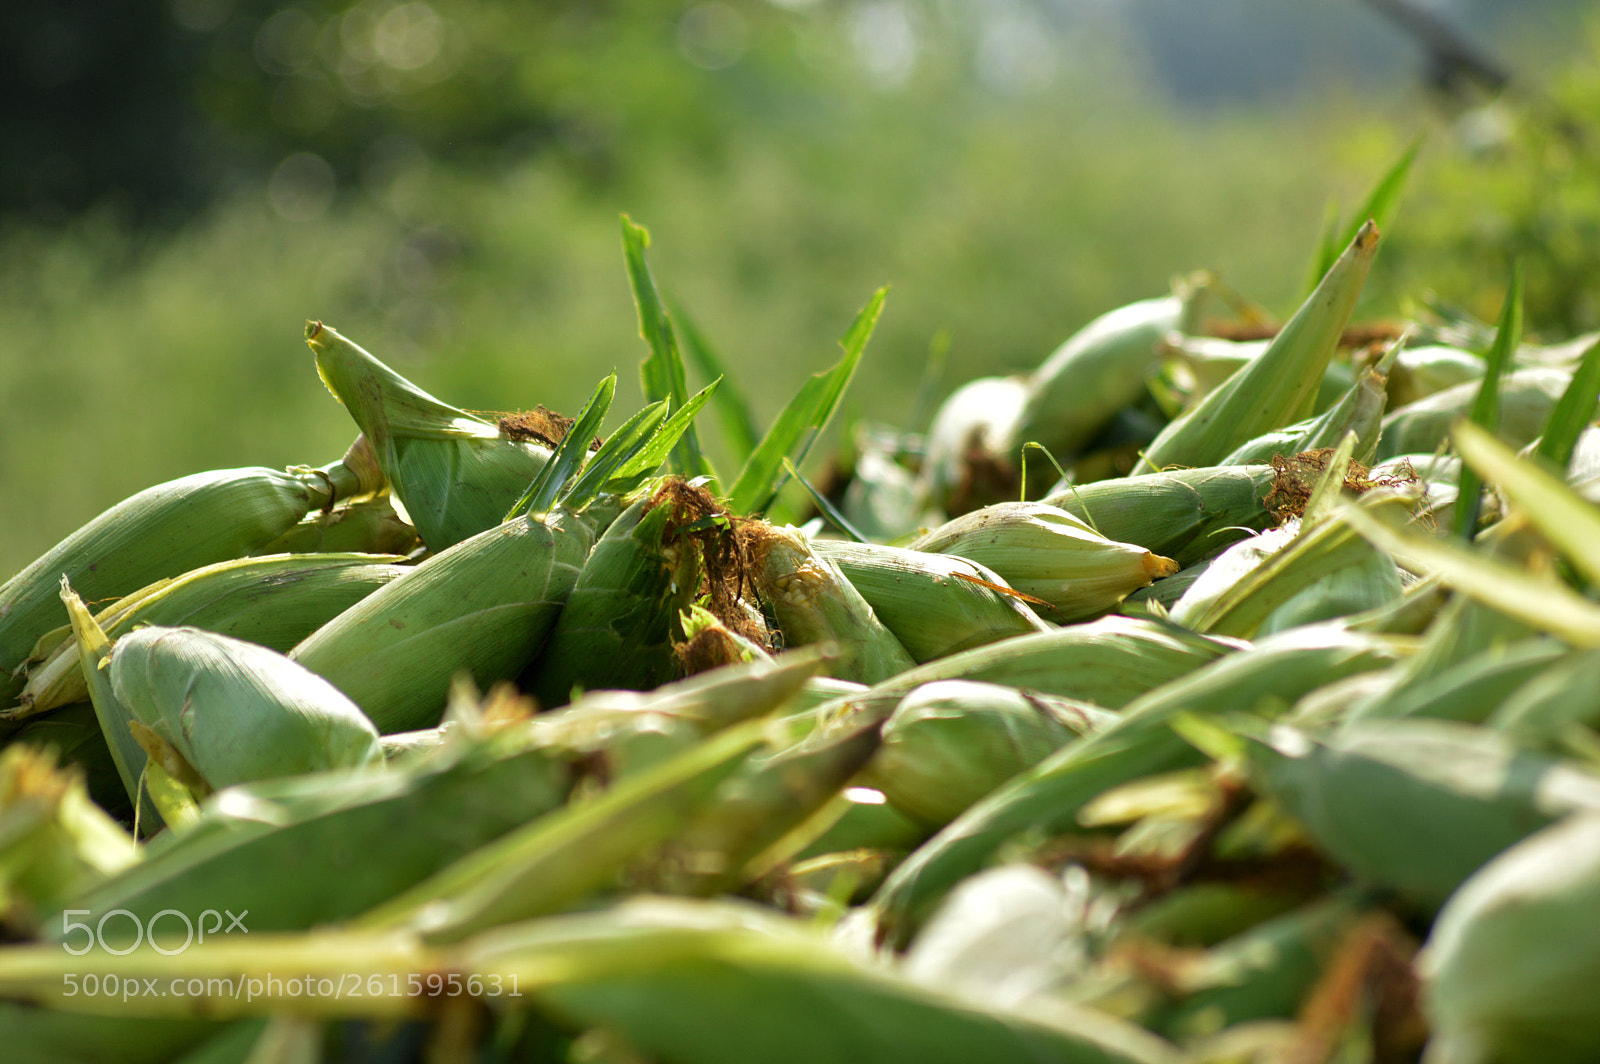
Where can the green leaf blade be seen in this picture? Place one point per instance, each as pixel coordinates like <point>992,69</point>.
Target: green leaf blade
<point>805,418</point>
<point>1486,406</point>
<point>661,373</point>
<point>570,455</point>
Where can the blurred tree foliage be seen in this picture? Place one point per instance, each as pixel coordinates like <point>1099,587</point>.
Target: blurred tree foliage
<point>442,179</point>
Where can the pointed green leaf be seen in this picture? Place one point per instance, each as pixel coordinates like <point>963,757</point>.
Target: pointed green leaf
<point>661,374</point>
<point>806,416</point>
<point>619,449</point>
<point>569,456</point>
<point>1543,605</point>
<point>1573,412</point>
<point>637,463</point>
<point>1558,512</point>
<point>1486,407</point>
<point>830,511</point>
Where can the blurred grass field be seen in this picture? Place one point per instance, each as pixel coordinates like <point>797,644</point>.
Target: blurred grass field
<point>131,355</point>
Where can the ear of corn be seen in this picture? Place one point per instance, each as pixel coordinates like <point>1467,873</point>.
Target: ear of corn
<point>1416,805</point>
<point>161,532</point>
<point>814,603</point>
<point>273,600</point>
<point>977,419</point>
<point>1422,371</point>
<point>676,976</point>
<point>564,857</point>
<point>745,830</point>
<point>934,604</point>
<point>1359,410</point>
<point>1195,366</point>
<point>456,474</point>
<point>1097,372</point>
<point>1279,387</point>
<point>1109,662</point>
<point>1049,554</point>
<point>367,526</point>
<point>483,606</point>
<point>428,813</point>
<point>237,712</point>
<point>1299,575</point>
<point>1510,966</point>
<point>619,622</point>
<point>950,742</point>
<point>1526,398</point>
<point>1049,795</point>
<point>1184,514</point>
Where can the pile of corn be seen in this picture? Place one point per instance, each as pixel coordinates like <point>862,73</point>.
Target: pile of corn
<point>1270,732</point>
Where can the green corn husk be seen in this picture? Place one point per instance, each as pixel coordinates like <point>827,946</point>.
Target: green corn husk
<point>156,799</point>
<point>561,859</point>
<point>950,742</point>
<point>456,474</point>
<point>620,621</point>
<point>618,733</point>
<point>162,532</point>
<point>1109,662</point>
<point>1098,371</point>
<point>483,606</point>
<point>1196,366</point>
<point>36,1035</point>
<point>369,526</point>
<point>1359,410</point>
<point>1165,592</point>
<point>1263,973</point>
<point>1279,387</point>
<point>1048,796</point>
<point>54,842</point>
<point>235,711</point>
<point>1566,692</point>
<point>1183,514</point>
<point>1047,553</point>
<point>1226,570</point>
<point>976,419</point>
<point>1419,372</point>
<point>274,600</point>
<point>744,831</point>
<point>299,852</point>
<point>1294,575</point>
<point>676,978</point>
<point>814,603</point>
<point>935,604</point>
<point>1511,963</point>
<point>1416,805</point>
<point>1470,690</point>
<point>1526,397</point>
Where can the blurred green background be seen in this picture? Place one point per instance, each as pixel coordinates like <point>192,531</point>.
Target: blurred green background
<point>183,183</point>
